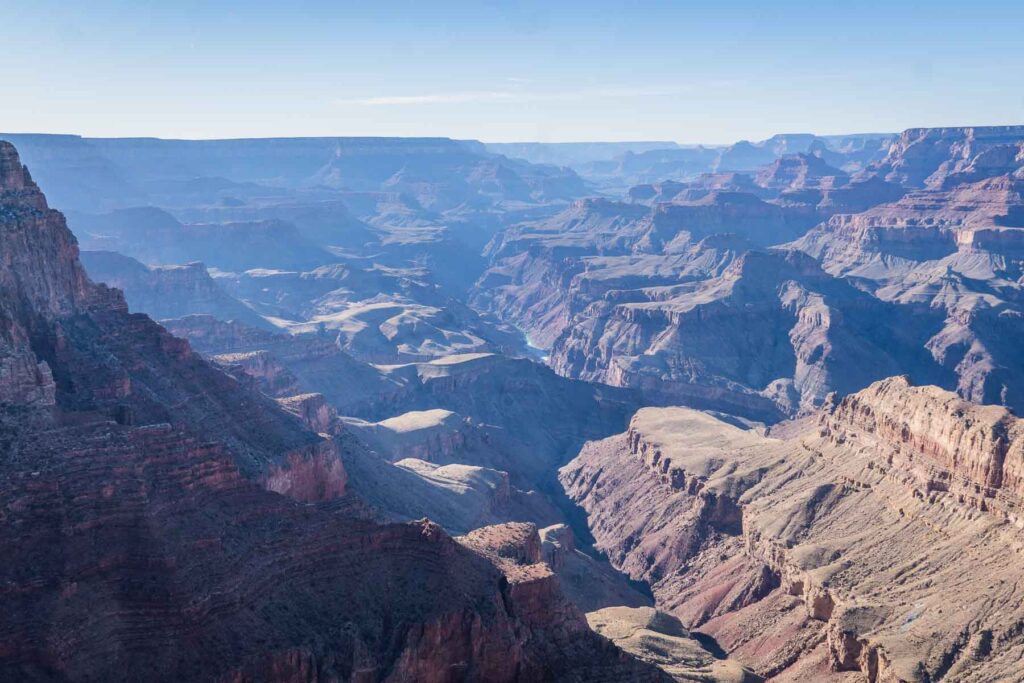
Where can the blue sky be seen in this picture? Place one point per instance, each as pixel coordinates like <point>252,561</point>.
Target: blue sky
<point>508,71</point>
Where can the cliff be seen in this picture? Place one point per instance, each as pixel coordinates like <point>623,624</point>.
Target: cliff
<point>163,292</point>
<point>838,544</point>
<point>163,521</point>
<point>943,157</point>
<point>772,335</point>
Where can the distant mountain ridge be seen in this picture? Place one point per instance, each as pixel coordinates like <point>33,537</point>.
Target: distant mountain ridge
<point>92,174</point>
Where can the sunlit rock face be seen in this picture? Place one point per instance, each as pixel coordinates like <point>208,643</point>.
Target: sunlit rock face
<point>836,545</point>
<point>940,158</point>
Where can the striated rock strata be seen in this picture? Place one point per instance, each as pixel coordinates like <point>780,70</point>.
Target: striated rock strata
<point>167,291</point>
<point>145,538</point>
<point>772,335</point>
<point>881,537</point>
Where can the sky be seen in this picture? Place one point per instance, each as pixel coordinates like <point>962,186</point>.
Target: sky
<point>692,72</point>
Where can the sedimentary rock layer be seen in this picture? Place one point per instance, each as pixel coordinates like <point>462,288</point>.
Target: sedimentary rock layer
<point>164,521</point>
<point>842,544</point>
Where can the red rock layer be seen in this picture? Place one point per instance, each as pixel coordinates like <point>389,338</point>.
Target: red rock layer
<point>881,538</point>
<point>141,542</point>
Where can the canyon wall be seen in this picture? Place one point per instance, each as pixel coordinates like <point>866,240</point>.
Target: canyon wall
<point>880,536</point>
<point>164,521</point>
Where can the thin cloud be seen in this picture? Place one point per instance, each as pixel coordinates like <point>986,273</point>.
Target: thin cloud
<point>510,96</point>
<point>437,98</point>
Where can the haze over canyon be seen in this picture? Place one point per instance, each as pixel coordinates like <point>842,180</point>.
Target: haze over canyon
<point>428,409</point>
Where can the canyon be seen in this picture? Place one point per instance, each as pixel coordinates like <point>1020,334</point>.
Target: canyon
<point>837,545</point>
<point>171,523</point>
<point>698,290</point>
<point>423,409</point>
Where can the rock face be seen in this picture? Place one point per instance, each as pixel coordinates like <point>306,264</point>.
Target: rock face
<point>542,273</point>
<point>659,638</point>
<point>541,418</point>
<point>590,583</point>
<point>167,291</point>
<point>383,274</point>
<point>381,204</point>
<point>920,253</point>
<point>941,158</point>
<point>155,237</point>
<point>77,345</point>
<point>800,172</point>
<point>773,334</point>
<point>284,364</point>
<point>172,566</point>
<point>510,414</point>
<point>255,506</point>
<point>390,485</point>
<point>437,435</point>
<point>25,378</point>
<point>516,550</point>
<point>145,538</point>
<point>375,314</point>
<point>572,154</point>
<point>459,497</point>
<point>955,255</point>
<point>466,440</point>
<point>974,452</point>
<point>838,545</point>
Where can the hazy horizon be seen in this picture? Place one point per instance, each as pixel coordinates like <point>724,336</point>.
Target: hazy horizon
<point>618,141</point>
